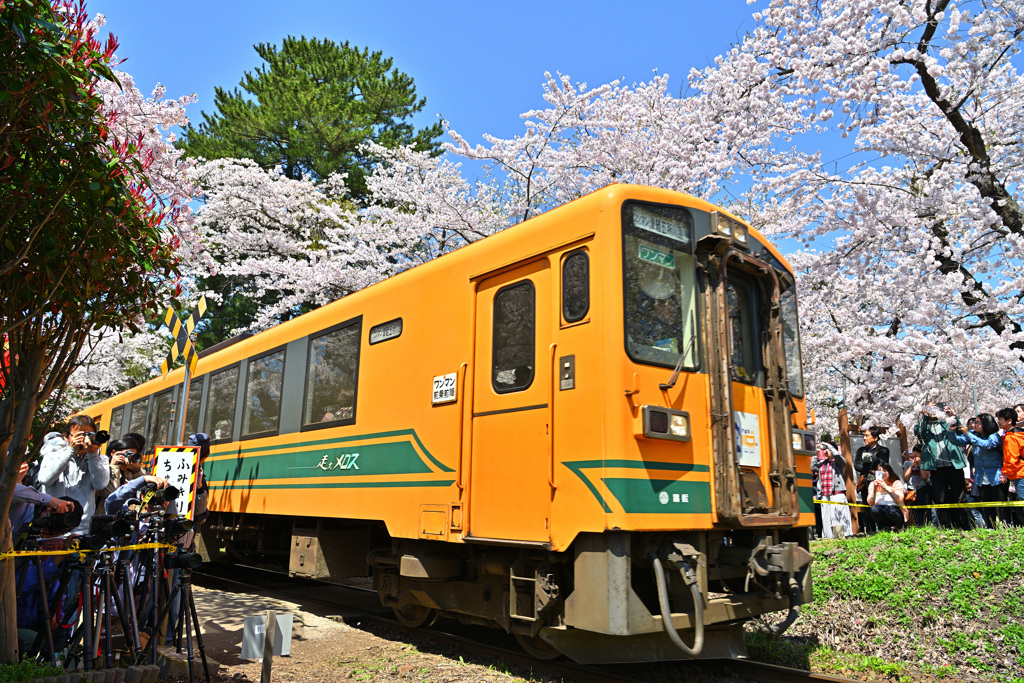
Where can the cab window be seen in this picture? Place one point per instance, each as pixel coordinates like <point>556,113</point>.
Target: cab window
<point>660,292</point>
<point>791,340</point>
<point>742,334</point>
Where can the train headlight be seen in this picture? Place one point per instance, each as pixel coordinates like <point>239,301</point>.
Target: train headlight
<point>665,423</point>
<point>679,425</point>
<point>803,442</point>
<point>740,234</point>
<point>728,227</point>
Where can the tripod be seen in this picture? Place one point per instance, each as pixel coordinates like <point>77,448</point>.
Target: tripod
<point>43,601</point>
<point>112,578</point>
<point>187,617</point>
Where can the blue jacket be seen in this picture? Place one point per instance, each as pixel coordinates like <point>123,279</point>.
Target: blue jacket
<point>117,499</point>
<point>988,457</point>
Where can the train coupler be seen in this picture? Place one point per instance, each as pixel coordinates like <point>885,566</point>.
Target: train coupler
<point>784,559</point>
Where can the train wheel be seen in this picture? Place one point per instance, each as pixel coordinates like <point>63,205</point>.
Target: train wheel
<point>415,616</point>
<point>537,648</point>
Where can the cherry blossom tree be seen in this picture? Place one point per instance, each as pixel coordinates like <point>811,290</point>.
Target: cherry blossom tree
<point>306,245</point>
<point>918,287</point>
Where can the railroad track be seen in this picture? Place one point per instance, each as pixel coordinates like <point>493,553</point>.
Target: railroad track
<point>357,605</point>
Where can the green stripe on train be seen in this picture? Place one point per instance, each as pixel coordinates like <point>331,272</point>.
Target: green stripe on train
<point>267,451</point>
<point>578,467</point>
<point>353,460</point>
<point>337,485</point>
<point>806,499</point>
<point>662,496</point>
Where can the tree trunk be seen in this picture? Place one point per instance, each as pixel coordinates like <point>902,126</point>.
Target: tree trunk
<point>8,608</point>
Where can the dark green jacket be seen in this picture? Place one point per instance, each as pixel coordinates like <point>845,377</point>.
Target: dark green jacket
<point>936,436</point>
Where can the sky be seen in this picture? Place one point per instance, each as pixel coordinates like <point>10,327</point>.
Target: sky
<point>478,64</point>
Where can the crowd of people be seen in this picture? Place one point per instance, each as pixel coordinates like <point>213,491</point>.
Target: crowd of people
<point>78,497</point>
<point>951,466</point>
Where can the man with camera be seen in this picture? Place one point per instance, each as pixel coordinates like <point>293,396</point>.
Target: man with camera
<point>942,457</point>
<point>73,467</point>
<point>26,498</point>
<point>125,466</point>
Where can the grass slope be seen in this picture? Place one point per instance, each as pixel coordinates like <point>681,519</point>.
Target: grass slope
<point>922,604</point>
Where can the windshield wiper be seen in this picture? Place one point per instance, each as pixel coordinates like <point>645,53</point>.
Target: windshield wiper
<point>665,386</point>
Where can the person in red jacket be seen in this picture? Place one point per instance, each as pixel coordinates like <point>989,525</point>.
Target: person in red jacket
<point>1013,454</point>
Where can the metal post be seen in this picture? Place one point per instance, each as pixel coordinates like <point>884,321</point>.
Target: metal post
<point>183,405</point>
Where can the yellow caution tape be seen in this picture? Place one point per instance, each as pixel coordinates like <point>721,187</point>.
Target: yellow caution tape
<point>82,551</point>
<point>982,504</point>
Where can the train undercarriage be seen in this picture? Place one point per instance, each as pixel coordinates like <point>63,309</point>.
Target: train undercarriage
<point>612,597</point>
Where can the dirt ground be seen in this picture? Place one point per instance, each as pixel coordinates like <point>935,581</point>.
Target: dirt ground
<point>326,649</point>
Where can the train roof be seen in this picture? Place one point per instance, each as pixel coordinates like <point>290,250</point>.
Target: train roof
<point>521,239</point>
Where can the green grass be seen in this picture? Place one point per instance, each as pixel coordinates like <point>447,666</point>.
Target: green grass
<point>906,582</point>
<point>27,670</point>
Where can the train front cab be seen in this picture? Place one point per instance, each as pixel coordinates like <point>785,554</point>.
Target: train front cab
<point>640,465</point>
<point>624,446</point>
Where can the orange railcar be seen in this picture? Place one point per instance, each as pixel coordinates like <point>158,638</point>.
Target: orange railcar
<point>587,429</point>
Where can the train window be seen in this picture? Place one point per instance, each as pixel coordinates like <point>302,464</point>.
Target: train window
<point>160,432</point>
<point>263,393</point>
<point>513,344</point>
<point>660,288</point>
<point>741,331</point>
<point>116,419</point>
<point>332,377</point>
<point>575,286</point>
<point>791,340</point>
<point>137,418</point>
<point>220,408</point>
<point>195,399</point>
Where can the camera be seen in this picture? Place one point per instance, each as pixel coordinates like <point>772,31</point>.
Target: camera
<point>175,527</point>
<point>133,457</point>
<point>52,523</point>
<point>98,438</point>
<point>157,495</point>
<point>182,560</point>
<point>109,527</point>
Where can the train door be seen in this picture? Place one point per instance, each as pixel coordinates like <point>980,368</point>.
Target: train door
<point>509,496</point>
<point>755,479</point>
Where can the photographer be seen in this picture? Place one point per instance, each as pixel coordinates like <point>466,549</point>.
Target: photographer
<point>865,462</point>
<point>72,465</point>
<point>26,498</point>
<point>942,456</point>
<point>125,465</point>
<point>132,489</point>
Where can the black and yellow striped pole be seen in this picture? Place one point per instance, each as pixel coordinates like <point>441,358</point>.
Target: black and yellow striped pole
<point>182,345</point>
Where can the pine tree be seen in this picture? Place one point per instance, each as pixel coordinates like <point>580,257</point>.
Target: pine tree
<point>309,107</point>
